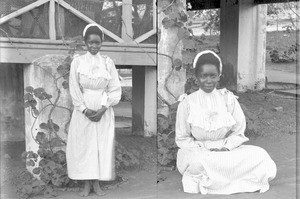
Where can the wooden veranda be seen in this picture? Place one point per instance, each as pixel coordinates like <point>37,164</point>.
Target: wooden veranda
<point>30,29</point>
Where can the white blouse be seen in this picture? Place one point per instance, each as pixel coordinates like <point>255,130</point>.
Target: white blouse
<point>210,120</point>
<point>94,72</point>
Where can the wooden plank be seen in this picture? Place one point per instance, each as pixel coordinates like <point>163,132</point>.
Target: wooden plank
<point>24,41</point>
<point>54,47</point>
<point>12,55</point>
<point>145,36</point>
<point>273,1</point>
<point>127,29</point>
<point>154,15</point>
<point>87,19</point>
<point>203,4</point>
<point>60,21</point>
<point>52,31</point>
<point>214,4</point>
<point>22,11</point>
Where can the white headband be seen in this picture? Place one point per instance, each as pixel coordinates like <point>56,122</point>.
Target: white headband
<point>90,25</point>
<point>208,52</point>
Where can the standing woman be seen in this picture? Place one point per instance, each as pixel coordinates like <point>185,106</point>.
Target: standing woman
<point>94,88</point>
<point>210,128</point>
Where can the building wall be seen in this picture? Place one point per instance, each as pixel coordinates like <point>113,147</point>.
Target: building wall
<point>11,102</point>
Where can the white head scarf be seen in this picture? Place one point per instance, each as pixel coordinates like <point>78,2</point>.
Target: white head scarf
<point>208,52</point>
<point>90,25</point>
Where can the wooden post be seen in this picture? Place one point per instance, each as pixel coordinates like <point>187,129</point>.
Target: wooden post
<point>154,15</point>
<point>127,29</point>
<point>138,100</point>
<point>243,43</point>
<point>150,123</point>
<point>52,31</point>
<point>144,106</point>
<point>170,83</point>
<point>60,21</point>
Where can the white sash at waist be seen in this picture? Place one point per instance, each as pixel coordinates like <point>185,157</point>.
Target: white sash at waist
<point>95,98</point>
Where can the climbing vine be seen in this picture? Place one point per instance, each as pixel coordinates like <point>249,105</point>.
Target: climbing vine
<point>176,16</point>
<point>49,161</point>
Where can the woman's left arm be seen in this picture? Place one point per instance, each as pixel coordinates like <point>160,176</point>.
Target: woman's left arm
<point>114,90</point>
<point>237,137</point>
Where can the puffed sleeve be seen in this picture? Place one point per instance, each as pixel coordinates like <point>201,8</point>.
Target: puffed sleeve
<point>114,90</point>
<point>183,138</point>
<point>76,94</point>
<point>237,137</point>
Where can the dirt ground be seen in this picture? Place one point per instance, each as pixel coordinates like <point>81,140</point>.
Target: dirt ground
<point>138,179</point>
<point>276,132</point>
<point>281,149</point>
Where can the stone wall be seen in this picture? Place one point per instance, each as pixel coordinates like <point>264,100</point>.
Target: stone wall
<point>37,77</point>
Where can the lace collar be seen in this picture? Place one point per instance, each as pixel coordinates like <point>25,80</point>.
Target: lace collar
<point>94,66</point>
<point>209,111</point>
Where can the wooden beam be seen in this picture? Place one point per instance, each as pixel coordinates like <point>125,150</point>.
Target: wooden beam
<point>203,4</point>
<point>215,4</point>
<point>154,15</point>
<point>52,31</point>
<point>21,41</point>
<point>87,19</point>
<point>142,48</point>
<point>273,1</point>
<point>22,11</point>
<point>145,36</point>
<point>122,55</point>
<point>127,29</point>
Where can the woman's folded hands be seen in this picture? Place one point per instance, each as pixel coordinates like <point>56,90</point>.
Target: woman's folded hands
<point>95,116</point>
<point>221,149</point>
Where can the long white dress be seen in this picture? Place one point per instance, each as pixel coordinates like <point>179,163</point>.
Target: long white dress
<point>93,83</point>
<point>216,120</point>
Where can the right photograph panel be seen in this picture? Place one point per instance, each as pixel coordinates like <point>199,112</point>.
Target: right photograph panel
<point>227,94</point>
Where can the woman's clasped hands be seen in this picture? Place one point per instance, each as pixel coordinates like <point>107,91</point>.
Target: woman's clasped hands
<point>95,116</point>
<point>221,149</point>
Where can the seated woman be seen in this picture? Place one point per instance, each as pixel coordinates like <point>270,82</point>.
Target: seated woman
<point>210,127</point>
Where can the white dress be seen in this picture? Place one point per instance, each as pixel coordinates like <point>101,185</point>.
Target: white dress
<point>216,120</point>
<point>93,83</point>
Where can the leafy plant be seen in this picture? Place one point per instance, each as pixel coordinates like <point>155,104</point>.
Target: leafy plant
<point>49,161</point>
<point>167,148</point>
<point>285,56</point>
<point>176,17</point>
<point>212,23</point>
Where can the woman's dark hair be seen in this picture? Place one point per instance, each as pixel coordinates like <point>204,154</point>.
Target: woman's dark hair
<point>93,30</point>
<point>207,58</point>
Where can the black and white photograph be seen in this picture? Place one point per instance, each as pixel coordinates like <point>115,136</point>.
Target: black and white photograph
<point>133,99</point>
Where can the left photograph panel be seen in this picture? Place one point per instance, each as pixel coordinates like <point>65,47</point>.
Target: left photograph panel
<point>78,81</point>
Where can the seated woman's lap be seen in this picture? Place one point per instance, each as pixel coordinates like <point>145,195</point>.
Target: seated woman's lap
<point>194,159</point>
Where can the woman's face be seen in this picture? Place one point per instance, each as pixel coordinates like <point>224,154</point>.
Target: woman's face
<point>208,77</point>
<point>93,43</point>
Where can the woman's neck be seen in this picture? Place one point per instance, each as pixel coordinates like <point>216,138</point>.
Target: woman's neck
<point>207,93</point>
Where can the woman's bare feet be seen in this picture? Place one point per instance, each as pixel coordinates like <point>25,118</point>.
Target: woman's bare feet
<point>86,190</point>
<point>97,188</point>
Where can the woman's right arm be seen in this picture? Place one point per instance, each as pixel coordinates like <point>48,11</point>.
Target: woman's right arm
<point>184,138</point>
<point>74,87</point>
